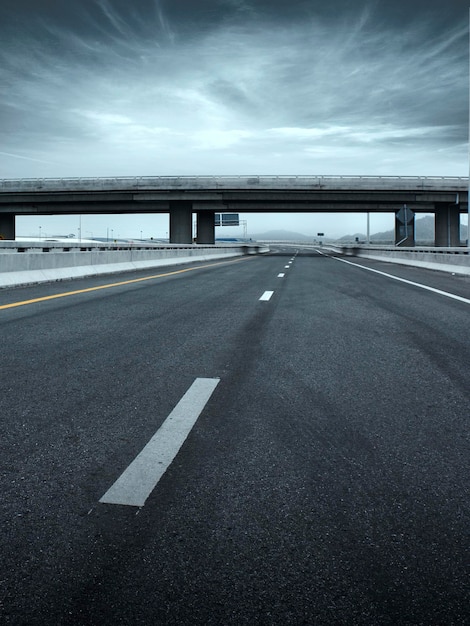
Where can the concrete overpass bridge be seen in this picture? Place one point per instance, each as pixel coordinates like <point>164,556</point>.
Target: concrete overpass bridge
<point>181,196</point>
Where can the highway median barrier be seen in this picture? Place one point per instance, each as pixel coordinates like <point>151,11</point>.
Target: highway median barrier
<point>23,263</point>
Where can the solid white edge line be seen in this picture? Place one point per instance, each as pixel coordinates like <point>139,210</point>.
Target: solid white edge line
<point>266,296</point>
<point>402,280</point>
<point>138,481</point>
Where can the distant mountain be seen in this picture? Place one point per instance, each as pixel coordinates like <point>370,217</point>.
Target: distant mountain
<point>282,235</point>
<point>424,231</point>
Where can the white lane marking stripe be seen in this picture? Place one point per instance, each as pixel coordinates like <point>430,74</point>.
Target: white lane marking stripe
<point>403,280</point>
<point>266,296</point>
<point>137,482</point>
<point>286,267</point>
<point>281,275</point>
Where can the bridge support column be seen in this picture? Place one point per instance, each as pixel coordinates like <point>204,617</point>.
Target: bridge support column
<point>205,226</point>
<point>7,226</point>
<point>447,225</point>
<point>181,222</point>
<point>404,233</point>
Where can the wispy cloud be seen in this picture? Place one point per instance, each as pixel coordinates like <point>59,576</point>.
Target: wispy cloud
<point>243,91</point>
<point>27,158</point>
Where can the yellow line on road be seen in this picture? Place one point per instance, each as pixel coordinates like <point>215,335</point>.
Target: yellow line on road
<point>124,282</point>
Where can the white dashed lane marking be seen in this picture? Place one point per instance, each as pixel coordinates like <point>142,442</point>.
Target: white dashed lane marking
<point>137,482</point>
<point>266,296</point>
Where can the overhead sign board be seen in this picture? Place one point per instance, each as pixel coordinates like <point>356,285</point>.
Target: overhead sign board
<point>227,219</point>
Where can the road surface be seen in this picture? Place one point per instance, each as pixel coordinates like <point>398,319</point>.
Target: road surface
<point>324,478</point>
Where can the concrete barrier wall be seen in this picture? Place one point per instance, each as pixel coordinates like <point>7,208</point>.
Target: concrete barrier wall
<point>454,260</point>
<point>22,264</point>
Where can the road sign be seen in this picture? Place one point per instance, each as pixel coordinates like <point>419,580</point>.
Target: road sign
<point>227,219</point>
<point>320,234</point>
<point>405,215</point>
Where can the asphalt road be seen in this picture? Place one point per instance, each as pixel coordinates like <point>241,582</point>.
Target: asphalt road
<point>326,480</point>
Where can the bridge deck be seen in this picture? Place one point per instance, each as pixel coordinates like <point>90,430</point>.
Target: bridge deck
<point>237,183</point>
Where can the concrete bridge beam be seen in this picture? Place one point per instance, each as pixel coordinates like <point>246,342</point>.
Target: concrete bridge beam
<point>181,222</point>
<point>205,227</point>
<point>7,226</point>
<point>447,225</point>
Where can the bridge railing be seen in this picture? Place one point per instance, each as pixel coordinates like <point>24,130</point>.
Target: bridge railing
<point>282,182</point>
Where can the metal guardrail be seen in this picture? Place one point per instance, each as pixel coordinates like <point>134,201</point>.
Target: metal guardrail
<point>132,183</point>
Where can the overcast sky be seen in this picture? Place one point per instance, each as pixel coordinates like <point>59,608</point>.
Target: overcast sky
<point>165,87</point>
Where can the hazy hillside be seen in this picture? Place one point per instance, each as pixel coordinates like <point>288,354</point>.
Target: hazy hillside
<point>424,233</point>
<point>282,235</point>
<point>424,230</point>
<point>424,227</point>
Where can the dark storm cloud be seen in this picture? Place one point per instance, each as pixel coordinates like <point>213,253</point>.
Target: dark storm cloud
<point>233,83</point>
